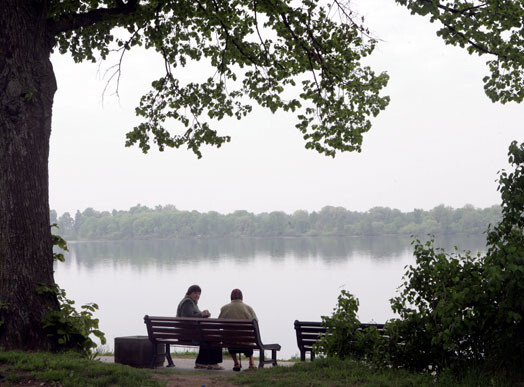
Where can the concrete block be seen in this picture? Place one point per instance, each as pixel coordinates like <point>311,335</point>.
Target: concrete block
<point>137,351</point>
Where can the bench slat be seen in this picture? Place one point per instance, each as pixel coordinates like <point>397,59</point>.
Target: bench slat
<point>228,326</point>
<point>175,330</point>
<point>309,323</point>
<point>309,341</point>
<point>181,324</point>
<point>172,319</point>
<point>240,335</point>
<point>233,345</point>
<point>312,330</point>
<point>171,337</point>
<point>228,331</point>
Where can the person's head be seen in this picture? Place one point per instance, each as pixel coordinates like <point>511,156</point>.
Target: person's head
<point>236,294</point>
<point>194,292</point>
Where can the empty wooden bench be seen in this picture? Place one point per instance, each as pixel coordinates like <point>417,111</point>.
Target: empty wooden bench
<point>216,333</point>
<point>308,333</point>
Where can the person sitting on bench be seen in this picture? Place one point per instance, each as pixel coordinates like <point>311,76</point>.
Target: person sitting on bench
<point>237,310</point>
<point>208,358</point>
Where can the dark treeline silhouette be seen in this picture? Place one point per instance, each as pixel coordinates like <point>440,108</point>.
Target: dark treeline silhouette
<point>167,222</point>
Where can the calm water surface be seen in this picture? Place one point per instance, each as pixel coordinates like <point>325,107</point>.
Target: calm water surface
<point>283,279</point>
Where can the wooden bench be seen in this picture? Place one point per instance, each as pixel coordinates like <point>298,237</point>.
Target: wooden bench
<point>216,333</point>
<point>308,333</point>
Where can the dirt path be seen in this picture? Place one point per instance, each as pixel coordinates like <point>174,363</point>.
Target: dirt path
<point>195,380</point>
<point>184,373</point>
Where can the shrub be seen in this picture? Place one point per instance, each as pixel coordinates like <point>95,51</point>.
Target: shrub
<point>343,337</point>
<point>442,308</point>
<point>68,328</point>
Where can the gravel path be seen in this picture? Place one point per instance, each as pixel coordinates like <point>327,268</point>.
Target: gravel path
<point>184,373</point>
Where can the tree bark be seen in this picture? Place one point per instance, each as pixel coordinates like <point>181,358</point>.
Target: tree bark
<point>27,87</point>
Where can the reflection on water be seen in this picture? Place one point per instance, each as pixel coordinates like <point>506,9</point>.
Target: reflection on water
<point>288,278</point>
<point>183,251</point>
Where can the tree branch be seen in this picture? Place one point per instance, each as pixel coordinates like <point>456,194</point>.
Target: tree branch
<point>347,15</point>
<point>310,56</point>
<point>461,11</point>
<point>167,65</point>
<point>70,22</point>
<point>118,66</point>
<point>474,44</point>
<point>262,42</point>
<point>229,37</point>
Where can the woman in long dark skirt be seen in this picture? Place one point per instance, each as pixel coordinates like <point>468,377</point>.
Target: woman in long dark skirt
<point>207,358</point>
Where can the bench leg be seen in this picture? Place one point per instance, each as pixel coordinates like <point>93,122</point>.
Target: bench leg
<point>262,359</point>
<point>302,355</point>
<point>168,355</point>
<point>153,355</point>
<point>312,355</point>
<point>274,356</point>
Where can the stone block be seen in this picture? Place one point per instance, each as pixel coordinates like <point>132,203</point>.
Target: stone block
<point>137,351</point>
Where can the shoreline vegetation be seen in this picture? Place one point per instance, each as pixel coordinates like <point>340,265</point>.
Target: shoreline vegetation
<point>167,222</point>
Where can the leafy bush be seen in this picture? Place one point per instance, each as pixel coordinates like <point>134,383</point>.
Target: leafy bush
<point>343,337</point>
<point>68,328</point>
<point>504,268</point>
<point>442,308</point>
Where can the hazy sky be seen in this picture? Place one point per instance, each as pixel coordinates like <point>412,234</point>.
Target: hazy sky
<point>440,141</point>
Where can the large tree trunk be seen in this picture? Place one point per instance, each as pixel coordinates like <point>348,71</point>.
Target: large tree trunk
<point>27,87</point>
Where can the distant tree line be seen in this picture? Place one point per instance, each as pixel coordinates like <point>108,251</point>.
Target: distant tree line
<point>141,222</point>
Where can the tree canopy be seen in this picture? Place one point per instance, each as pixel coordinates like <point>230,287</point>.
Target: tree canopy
<point>484,27</point>
<point>304,59</point>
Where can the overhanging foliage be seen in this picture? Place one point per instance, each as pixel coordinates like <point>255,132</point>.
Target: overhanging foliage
<point>261,51</point>
<point>485,27</point>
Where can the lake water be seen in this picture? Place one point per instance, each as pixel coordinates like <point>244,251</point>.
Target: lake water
<point>283,279</point>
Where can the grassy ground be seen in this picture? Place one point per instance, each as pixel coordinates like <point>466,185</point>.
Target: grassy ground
<point>333,372</point>
<point>69,369</point>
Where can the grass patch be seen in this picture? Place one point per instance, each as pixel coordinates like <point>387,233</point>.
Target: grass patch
<point>333,372</point>
<point>68,369</point>
<point>323,372</point>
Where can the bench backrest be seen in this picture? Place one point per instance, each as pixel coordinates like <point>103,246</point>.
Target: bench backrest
<point>215,332</point>
<point>230,333</point>
<point>172,330</point>
<point>308,332</point>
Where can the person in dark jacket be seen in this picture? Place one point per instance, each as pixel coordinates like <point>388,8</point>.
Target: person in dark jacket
<point>207,358</point>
